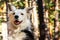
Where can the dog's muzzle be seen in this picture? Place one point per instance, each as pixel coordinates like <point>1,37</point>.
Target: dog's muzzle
<point>17,22</point>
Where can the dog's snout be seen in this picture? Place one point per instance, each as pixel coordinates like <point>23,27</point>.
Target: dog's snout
<point>16,16</point>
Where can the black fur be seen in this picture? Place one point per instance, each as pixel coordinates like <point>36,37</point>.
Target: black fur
<point>29,34</point>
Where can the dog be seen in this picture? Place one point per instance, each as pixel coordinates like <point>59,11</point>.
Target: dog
<point>19,24</point>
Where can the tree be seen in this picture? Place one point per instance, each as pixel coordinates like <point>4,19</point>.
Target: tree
<point>56,25</point>
<point>41,20</point>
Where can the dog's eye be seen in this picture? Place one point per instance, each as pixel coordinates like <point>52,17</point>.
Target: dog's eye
<point>13,13</point>
<point>22,14</point>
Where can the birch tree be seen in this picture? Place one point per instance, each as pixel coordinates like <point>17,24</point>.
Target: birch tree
<point>56,25</point>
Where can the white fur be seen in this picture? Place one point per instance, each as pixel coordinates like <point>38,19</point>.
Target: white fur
<point>17,36</point>
<point>15,30</point>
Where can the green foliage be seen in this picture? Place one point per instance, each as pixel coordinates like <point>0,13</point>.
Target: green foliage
<point>47,1</point>
<point>14,0</point>
<point>59,33</point>
<point>19,4</point>
<point>0,21</point>
<point>51,4</point>
<point>59,10</point>
<point>1,3</point>
<point>51,16</point>
<point>1,38</point>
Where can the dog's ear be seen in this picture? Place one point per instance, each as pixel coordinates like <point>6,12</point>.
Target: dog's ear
<point>28,9</point>
<point>12,7</point>
<point>9,12</point>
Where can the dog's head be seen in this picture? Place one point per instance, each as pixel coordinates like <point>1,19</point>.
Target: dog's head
<point>18,16</point>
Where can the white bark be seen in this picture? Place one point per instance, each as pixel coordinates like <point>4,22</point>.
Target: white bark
<point>4,31</point>
<point>56,18</point>
<point>26,3</point>
<point>35,20</point>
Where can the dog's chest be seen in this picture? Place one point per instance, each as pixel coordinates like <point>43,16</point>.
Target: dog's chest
<point>17,36</point>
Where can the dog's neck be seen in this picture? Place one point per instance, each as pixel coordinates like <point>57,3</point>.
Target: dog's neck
<point>25,24</point>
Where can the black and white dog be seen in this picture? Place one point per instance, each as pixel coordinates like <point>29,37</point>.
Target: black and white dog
<point>19,25</point>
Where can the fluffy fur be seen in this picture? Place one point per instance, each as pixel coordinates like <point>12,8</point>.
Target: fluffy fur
<point>20,29</point>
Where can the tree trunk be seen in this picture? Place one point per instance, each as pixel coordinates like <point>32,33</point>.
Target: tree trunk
<point>35,20</point>
<point>56,25</point>
<point>26,3</point>
<point>4,24</point>
<point>41,20</point>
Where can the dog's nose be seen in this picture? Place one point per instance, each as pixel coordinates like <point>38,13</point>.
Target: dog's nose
<point>16,16</point>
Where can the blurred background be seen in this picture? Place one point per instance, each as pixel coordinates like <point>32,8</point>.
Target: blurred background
<point>45,17</point>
